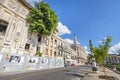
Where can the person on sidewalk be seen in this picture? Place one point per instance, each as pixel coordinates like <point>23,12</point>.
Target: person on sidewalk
<point>94,68</point>
<point>114,67</point>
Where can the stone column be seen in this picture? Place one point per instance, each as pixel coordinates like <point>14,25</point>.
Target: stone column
<point>10,30</point>
<point>23,37</point>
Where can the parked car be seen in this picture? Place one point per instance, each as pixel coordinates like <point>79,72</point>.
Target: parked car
<point>73,64</point>
<point>67,64</point>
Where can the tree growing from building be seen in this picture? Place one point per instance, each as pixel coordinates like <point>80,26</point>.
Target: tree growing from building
<point>42,19</point>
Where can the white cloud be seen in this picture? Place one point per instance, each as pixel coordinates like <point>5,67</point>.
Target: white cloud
<point>85,47</point>
<point>62,29</point>
<point>114,49</point>
<point>100,41</point>
<point>71,41</point>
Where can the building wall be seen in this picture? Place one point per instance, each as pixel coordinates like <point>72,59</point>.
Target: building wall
<point>16,36</point>
<point>54,46</point>
<point>81,53</point>
<point>113,58</point>
<point>18,40</point>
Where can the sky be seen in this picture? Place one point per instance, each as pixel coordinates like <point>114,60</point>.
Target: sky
<point>88,20</point>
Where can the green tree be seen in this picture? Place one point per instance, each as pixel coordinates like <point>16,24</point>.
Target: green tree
<point>101,52</point>
<point>38,54</point>
<point>42,19</point>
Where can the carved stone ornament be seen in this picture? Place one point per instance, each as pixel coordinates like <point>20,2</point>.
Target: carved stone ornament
<point>2,1</point>
<point>12,4</point>
<point>23,12</point>
<point>17,36</point>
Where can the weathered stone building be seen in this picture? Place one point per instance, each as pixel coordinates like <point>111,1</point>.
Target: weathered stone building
<point>15,38</point>
<point>13,26</point>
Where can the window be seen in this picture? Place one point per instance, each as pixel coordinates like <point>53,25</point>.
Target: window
<point>39,39</point>
<point>55,45</point>
<point>50,52</point>
<point>51,42</point>
<point>27,46</point>
<point>55,53</point>
<point>59,53</point>
<point>46,51</point>
<point>3,27</point>
<point>55,41</point>
<point>38,49</point>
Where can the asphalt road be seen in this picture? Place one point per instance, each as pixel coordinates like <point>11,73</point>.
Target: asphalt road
<point>67,73</point>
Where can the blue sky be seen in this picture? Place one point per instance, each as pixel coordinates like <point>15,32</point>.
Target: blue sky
<point>88,19</point>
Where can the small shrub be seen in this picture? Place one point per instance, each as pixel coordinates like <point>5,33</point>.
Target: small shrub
<point>38,54</point>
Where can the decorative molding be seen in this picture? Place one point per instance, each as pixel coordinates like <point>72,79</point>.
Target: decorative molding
<point>6,16</point>
<point>23,12</point>
<point>17,8</point>
<point>10,30</point>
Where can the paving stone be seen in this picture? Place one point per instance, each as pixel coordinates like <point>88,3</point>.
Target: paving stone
<point>95,76</point>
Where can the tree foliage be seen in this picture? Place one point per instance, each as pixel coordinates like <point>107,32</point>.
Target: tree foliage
<point>100,52</point>
<point>42,19</point>
<point>38,54</point>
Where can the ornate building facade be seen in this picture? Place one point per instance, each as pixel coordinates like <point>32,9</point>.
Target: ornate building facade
<point>17,41</point>
<point>80,51</point>
<point>113,58</point>
<point>54,46</point>
<point>13,26</point>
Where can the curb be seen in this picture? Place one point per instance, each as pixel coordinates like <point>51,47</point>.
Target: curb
<point>25,71</point>
<point>114,70</point>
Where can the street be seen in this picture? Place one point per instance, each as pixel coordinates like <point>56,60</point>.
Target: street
<point>67,73</point>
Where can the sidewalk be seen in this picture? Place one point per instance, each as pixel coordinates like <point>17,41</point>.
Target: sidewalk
<point>101,75</point>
